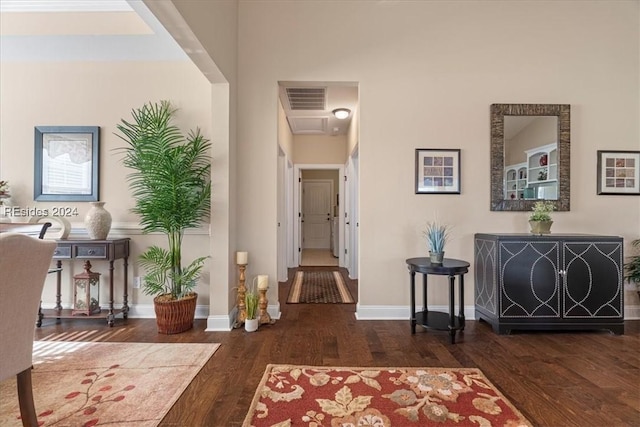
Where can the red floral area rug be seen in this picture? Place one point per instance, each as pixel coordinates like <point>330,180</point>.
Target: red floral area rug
<point>316,396</point>
<point>114,384</point>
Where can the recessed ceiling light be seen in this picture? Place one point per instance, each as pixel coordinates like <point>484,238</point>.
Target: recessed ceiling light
<point>341,113</point>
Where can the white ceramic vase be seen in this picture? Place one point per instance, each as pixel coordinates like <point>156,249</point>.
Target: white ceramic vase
<point>97,221</point>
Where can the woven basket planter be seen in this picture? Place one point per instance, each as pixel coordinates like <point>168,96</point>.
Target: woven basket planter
<point>175,316</point>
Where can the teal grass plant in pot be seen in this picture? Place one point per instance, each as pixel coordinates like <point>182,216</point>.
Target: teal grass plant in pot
<point>172,191</point>
<point>436,235</point>
<point>540,217</point>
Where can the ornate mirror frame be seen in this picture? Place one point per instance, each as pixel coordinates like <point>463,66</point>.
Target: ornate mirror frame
<point>498,113</point>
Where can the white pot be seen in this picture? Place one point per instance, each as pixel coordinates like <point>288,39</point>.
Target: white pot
<point>251,325</point>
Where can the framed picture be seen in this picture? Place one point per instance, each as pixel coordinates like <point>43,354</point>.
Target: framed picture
<point>437,171</point>
<point>619,172</point>
<point>66,163</point>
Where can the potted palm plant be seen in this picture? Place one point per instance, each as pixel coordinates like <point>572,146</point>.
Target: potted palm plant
<point>436,235</point>
<point>172,190</point>
<point>540,217</point>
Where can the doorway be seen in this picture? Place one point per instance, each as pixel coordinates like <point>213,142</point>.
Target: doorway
<point>319,218</point>
<point>317,140</point>
<point>318,206</point>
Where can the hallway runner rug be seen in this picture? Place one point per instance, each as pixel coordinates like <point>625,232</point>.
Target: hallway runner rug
<point>96,383</point>
<point>325,396</point>
<point>319,287</point>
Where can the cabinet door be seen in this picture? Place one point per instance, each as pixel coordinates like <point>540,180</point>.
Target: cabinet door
<point>529,279</point>
<point>485,275</point>
<point>593,280</point>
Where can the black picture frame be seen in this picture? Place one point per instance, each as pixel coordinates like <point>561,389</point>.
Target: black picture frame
<point>437,171</point>
<point>66,163</point>
<point>618,173</point>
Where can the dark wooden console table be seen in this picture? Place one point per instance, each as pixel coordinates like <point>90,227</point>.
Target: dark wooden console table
<point>85,249</point>
<point>549,282</point>
<point>435,319</point>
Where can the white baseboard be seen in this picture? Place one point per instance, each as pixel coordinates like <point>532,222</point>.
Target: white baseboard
<point>632,312</point>
<point>363,312</point>
<point>146,311</point>
<point>221,323</point>
<point>139,311</point>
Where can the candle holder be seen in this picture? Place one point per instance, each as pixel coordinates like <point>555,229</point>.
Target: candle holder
<point>264,316</point>
<point>242,290</point>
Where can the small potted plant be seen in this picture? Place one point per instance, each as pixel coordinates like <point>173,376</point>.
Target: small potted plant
<point>632,268</point>
<point>437,236</point>
<point>540,217</point>
<point>251,305</point>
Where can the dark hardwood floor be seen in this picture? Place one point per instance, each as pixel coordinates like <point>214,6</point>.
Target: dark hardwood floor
<point>555,379</point>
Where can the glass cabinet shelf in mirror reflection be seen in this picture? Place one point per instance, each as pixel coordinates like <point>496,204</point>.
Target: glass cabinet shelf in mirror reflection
<point>536,178</point>
<point>515,181</point>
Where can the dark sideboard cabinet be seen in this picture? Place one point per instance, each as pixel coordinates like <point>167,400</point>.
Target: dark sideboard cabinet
<point>549,282</point>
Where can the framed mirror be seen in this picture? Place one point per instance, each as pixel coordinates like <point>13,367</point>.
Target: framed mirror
<point>530,155</point>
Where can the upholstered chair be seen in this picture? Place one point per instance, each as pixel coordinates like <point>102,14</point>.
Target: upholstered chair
<point>24,263</point>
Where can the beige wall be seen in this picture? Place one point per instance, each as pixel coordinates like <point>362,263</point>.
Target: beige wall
<point>285,137</point>
<point>427,74</point>
<point>97,94</point>
<point>320,149</point>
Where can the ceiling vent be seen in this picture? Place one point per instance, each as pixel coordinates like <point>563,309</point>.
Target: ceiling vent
<point>308,125</point>
<point>307,98</point>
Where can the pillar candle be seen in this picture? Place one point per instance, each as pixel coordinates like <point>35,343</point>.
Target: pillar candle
<point>263,281</point>
<point>242,258</point>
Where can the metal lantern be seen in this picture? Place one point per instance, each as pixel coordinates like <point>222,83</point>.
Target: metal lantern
<point>86,295</point>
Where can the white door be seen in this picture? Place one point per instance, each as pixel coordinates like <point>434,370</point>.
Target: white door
<point>282,216</point>
<point>316,214</point>
<point>351,216</point>
<point>354,218</point>
<point>348,171</point>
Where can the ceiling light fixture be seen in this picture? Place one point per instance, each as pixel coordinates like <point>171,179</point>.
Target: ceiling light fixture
<point>341,113</point>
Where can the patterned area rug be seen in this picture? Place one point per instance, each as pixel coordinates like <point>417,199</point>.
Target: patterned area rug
<point>115,384</point>
<point>323,396</point>
<point>323,287</point>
